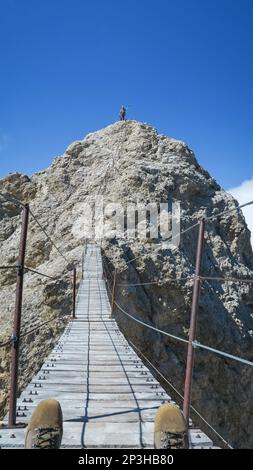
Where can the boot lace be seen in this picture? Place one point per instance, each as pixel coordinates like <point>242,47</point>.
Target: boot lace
<point>172,440</point>
<point>45,438</point>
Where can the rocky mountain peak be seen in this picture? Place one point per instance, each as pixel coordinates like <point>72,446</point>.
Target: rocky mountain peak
<point>131,162</point>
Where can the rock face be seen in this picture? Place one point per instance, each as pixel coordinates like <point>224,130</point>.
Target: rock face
<point>129,162</point>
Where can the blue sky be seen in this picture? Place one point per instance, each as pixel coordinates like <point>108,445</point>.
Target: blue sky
<point>184,66</point>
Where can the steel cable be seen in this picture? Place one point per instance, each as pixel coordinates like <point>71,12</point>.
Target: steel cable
<point>23,335</point>
<point>181,396</point>
<point>46,234</point>
<point>228,211</point>
<point>18,202</point>
<point>190,228</point>
<point>8,267</point>
<point>42,274</point>
<point>195,344</point>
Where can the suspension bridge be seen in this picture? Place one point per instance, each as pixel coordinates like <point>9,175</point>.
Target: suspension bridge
<point>107,388</point>
<point>108,396</point>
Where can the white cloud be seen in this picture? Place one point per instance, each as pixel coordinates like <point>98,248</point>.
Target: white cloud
<point>243,194</point>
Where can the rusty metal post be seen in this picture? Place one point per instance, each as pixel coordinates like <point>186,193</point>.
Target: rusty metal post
<point>193,324</point>
<point>103,266</point>
<point>82,263</point>
<point>17,318</point>
<point>83,258</point>
<point>74,294</point>
<point>113,291</point>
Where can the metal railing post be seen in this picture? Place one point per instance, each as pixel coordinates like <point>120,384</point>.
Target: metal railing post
<point>74,294</point>
<point>83,258</point>
<point>193,324</point>
<point>82,263</point>
<point>17,318</point>
<point>113,291</point>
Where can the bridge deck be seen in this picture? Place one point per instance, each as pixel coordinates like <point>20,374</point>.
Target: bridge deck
<point>108,397</point>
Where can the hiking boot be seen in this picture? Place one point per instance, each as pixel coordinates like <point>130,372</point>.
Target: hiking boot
<point>44,429</point>
<point>170,428</point>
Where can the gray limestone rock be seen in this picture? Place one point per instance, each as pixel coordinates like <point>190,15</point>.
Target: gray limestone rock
<point>129,162</point>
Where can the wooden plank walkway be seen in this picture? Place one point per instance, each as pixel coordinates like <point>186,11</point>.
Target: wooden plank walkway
<point>108,397</point>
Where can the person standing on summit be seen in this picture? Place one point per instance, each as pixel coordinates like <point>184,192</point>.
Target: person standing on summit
<point>122,113</point>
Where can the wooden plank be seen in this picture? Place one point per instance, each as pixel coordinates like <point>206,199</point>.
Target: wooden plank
<point>108,397</point>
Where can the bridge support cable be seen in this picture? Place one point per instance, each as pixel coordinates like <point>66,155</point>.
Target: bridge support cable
<point>195,343</point>
<point>21,268</point>
<point>181,396</point>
